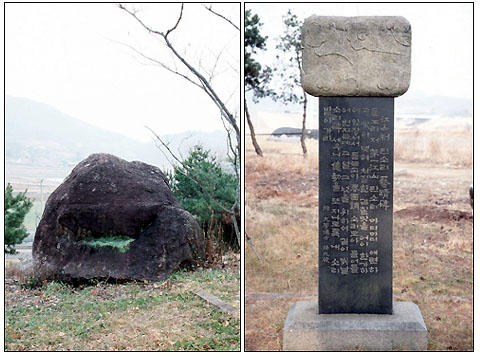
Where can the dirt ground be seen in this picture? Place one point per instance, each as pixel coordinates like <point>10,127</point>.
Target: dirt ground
<point>433,243</point>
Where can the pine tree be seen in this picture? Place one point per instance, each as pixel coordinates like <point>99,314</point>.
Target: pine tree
<point>256,76</point>
<point>203,187</point>
<point>16,208</point>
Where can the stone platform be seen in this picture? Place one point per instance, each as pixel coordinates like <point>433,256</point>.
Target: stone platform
<point>306,330</point>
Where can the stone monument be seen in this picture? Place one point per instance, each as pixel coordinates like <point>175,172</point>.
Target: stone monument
<point>356,66</point>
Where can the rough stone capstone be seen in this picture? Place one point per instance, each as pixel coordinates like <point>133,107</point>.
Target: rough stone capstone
<point>356,56</point>
<point>128,205</point>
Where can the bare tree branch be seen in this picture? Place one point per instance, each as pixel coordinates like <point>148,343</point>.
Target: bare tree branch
<point>231,149</point>
<point>159,147</point>
<point>221,16</point>
<point>181,143</point>
<point>209,90</point>
<point>134,14</point>
<point>207,87</point>
<point>214,67</point>
<point>202,78</point>
<point>178,21</point>
<point>161,64</point>
<point>167,147</point>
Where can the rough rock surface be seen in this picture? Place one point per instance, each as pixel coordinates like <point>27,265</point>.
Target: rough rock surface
<point>105,197</point>
<point>356,56</point>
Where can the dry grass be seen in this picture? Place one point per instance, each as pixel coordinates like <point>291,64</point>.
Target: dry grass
<point>134,316</point>
<point>433,267</point>
<point>264,324</point>
<point>453,148</point>
<point>284,156</point>
<point>285,234</point>
<point>433,259</point>
<point>285,237</point>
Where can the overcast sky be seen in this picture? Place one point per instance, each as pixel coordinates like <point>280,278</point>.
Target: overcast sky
<point>71,57</point>
<point>442,39</point>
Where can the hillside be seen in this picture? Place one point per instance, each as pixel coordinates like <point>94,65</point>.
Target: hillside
<point>39,135</point>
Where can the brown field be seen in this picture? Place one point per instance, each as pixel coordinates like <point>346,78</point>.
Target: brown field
<point>433,235</point>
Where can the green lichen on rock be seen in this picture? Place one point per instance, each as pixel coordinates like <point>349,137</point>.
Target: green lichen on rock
<point>122,243</point>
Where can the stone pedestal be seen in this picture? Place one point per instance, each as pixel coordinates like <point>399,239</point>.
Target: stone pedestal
<point>306,330</point>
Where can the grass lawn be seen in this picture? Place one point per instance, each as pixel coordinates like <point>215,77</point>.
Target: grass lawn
<point>134,316</point>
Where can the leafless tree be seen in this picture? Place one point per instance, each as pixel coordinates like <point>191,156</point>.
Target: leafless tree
<point>202,78</point>
<point>291,91</point>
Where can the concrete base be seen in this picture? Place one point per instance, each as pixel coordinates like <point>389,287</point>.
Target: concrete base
<point>306,330</point>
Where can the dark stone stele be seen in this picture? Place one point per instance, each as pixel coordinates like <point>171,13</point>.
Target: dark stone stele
<point>107,198</point>
<point>355,205</point>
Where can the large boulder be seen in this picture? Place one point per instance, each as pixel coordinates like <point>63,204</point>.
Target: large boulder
<point>112,218</point>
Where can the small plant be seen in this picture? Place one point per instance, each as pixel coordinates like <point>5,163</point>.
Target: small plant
<point>16,208</point>
<point>122,243</point>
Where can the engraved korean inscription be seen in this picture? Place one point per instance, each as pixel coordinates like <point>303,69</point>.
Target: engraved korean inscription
<point>355,204</point>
